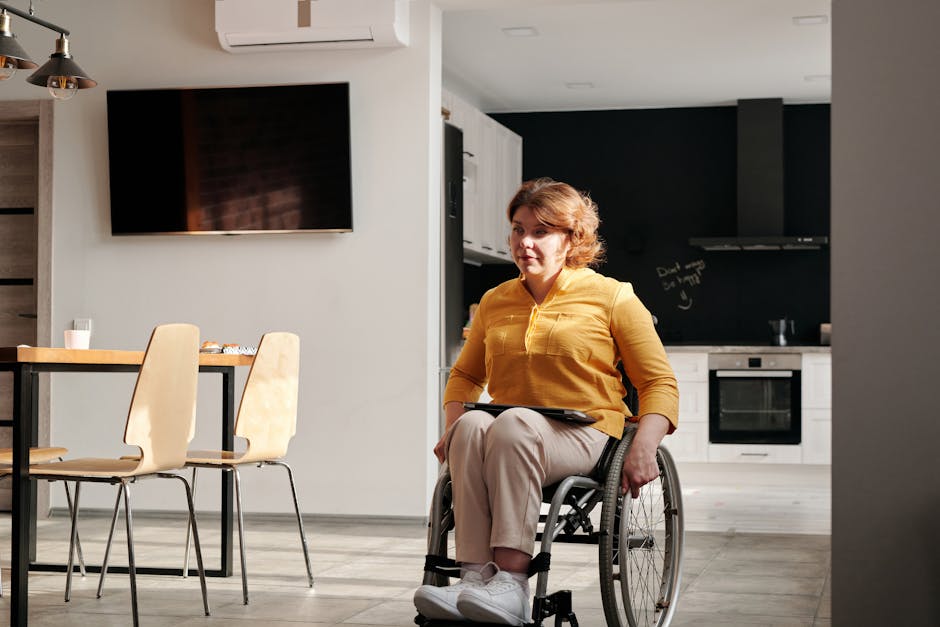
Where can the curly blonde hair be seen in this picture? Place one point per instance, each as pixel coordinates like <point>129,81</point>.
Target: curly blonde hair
<point>559,205</point>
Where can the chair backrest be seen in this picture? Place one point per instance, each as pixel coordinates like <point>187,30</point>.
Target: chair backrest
<point>267,415</point>
<point>162,415</point>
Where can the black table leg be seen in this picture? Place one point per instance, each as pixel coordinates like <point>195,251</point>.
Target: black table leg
<point>228,444</point>
<point>23,510</point>
<point>33,441</point>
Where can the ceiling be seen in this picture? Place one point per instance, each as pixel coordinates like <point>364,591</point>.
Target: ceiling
<point>635,53</point>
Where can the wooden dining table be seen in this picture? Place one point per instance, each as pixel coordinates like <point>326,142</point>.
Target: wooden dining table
<point>26,364</point>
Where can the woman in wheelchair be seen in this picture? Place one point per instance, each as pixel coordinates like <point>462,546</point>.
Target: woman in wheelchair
<point>551,338</point>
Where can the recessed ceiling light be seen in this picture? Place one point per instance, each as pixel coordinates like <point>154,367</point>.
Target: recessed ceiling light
<point>807,20</point>
<point>580,85</point>
<point>520,31</point>
<point>813,78</point>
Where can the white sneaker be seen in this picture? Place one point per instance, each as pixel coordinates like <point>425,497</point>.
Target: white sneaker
<point>502,600</point>
<point>440,602</point>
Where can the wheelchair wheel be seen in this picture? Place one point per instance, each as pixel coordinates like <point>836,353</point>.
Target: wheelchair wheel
<point>640,547</point>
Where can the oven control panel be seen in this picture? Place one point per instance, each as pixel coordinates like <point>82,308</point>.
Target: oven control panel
<point>754,361</point>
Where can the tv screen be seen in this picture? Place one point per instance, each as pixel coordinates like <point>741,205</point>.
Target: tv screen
<point>230,160</point>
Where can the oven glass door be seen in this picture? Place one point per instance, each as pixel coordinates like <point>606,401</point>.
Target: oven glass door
<point>755,407</point>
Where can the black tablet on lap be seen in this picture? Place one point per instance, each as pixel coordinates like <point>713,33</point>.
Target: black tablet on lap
<point>555,413</point>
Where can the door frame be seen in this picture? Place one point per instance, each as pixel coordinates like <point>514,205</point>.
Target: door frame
<point>41,112</point>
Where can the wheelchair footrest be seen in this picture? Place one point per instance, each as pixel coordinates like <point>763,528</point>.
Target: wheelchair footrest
<point>557,604</point>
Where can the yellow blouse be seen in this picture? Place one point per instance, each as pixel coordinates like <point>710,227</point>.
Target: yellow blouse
<point>564,352</point>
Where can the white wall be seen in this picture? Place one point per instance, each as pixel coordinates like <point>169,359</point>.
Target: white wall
<point>885,308</point>
<point>364,303</point>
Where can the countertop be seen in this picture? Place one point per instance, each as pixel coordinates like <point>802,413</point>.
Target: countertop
<point>752,348</point>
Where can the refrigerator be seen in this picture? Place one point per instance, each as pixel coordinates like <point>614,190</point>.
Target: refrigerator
<point>453,311</point>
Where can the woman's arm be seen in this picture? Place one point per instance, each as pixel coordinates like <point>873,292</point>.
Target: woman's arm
<point>467,377</point>
<point>644,358</point>
<point>645,362</point>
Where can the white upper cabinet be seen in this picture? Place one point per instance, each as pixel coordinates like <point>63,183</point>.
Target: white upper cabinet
<point>492,168</point>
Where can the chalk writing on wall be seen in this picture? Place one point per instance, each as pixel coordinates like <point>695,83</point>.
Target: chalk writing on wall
<point>681,279</point>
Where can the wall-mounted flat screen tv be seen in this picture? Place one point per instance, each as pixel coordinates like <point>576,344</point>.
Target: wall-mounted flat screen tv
<point>230,160</point>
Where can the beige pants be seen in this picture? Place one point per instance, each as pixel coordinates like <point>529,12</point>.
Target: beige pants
<point>498,467</point>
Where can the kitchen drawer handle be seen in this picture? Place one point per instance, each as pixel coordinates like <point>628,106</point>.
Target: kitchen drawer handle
<point>486,247</point>
<point>754,454</point>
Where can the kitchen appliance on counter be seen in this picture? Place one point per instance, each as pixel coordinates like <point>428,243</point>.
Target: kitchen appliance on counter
<point>754,398</point>
<point>783,329</point>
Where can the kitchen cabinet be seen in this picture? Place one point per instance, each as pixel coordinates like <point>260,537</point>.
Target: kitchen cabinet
<point>817,408</point>
<point>689,443</point>
<point>755,453</point>
<point>492,174</point>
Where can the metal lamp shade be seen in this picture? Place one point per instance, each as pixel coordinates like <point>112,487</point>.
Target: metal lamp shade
<point>11,48</point>
<point>61,65</point>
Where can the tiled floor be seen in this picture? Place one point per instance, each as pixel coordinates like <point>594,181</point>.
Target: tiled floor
<point>366,571</point>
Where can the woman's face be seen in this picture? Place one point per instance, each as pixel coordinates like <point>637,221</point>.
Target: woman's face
<point>538,250</point>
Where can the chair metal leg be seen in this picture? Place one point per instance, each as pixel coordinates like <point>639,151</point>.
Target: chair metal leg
<point>192,524</point>
<point>202,570</point>
<point>78,540</point>
<point>241,534</point>
<point>107,549</point>
<point>72,536</point>
<point>131,570</point>
<point>300,522</point>
<point>189,532</point>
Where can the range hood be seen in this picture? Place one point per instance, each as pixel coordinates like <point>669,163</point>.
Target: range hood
<point>760,184</point>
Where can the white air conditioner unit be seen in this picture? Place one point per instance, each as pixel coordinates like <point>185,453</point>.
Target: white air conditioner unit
<point>261,25</point>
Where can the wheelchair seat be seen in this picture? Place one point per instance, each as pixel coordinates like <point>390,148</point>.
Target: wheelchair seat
<point>639,542</point>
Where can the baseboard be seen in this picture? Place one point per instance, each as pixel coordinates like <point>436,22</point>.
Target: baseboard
<point>346,519</point>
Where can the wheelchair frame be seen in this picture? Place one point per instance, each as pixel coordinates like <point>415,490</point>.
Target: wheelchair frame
<point>640,578</point>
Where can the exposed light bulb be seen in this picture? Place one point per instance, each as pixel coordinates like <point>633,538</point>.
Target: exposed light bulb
<point>8,67</point>
<point>62,87</point>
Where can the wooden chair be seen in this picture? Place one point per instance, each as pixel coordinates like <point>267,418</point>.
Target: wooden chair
<point>38,455</point>
<point>160,423</point>
<point>267,419</point>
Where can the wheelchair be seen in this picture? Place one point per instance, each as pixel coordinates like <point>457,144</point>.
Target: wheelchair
<point>639,542</point>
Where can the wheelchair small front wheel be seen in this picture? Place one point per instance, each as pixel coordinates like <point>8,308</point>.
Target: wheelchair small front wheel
<point>640,547</point>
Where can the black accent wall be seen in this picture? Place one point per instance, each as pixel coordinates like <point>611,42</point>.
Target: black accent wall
<point>660,176</point>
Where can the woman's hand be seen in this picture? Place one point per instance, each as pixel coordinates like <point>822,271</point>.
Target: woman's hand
<point>452,412</point>
<point>639,468</point>
<point>440,450</point>
<point>639,465</point>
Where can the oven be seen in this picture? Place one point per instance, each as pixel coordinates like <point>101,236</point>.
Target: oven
<point>754,398</point>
